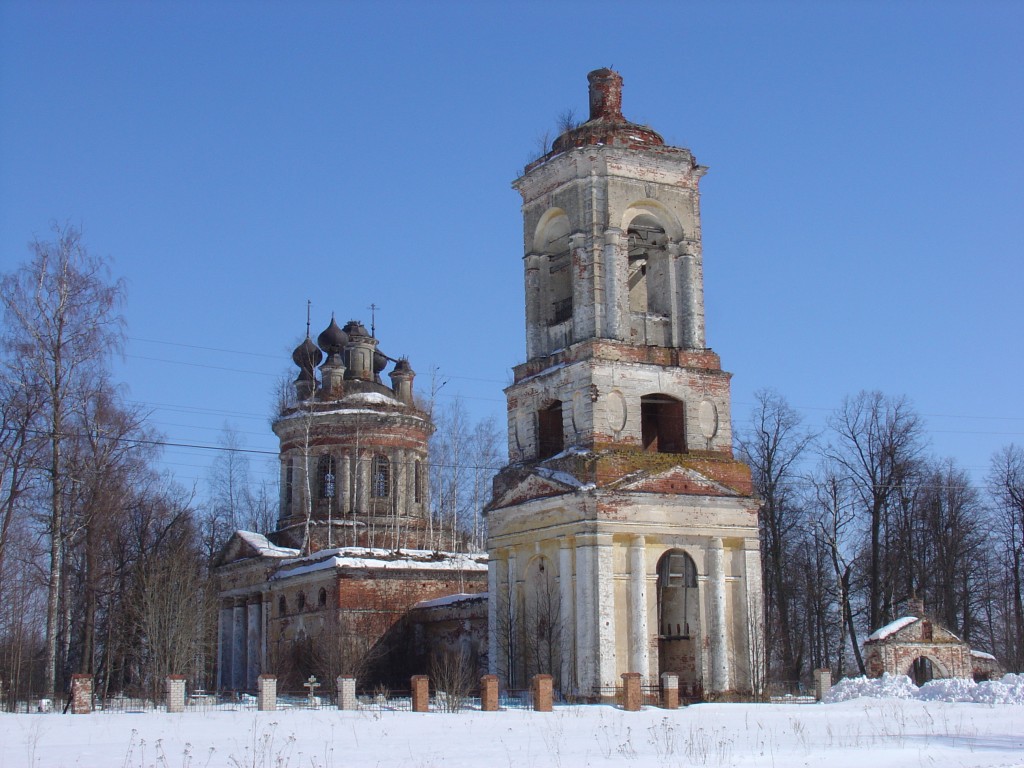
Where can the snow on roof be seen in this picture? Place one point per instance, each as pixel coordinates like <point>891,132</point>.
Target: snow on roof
<point>892,628</point>
<point>371,397</point>
<point>983,655</point>
<point>384,559</point>
<point>559,477</point>
<point>262,545</point>
<point>439,602</point>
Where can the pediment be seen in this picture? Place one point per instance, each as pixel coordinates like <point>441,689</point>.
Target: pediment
<point>534,486</point>
<point>244,545</point>
<point>676,480</point>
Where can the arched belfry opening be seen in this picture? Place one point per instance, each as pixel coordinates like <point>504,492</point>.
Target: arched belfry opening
<point>647,274</point>
<point>663,424</point>
<point>678,616</point>
<point>550,433</point>
<point>558,273</point>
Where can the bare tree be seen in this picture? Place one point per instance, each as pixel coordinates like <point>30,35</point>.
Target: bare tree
<point>61,322</point>
<point>1006,486</point>
<point>876,441</point>
<point>773,447</point>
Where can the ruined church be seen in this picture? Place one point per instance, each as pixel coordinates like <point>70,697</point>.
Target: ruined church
<point>622,533</point>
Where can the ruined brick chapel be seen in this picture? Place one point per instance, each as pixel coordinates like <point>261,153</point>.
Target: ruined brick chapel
<point>622,533</point>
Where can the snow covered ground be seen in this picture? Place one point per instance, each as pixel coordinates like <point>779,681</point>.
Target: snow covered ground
<point>871,730</point>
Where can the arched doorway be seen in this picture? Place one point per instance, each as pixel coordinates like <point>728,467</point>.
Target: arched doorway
<point>678,617</point>
<point>922,671</point>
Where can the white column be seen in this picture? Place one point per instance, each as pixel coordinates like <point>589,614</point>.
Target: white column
<point>605,571</point>
<point>676,319</point>
<point>265,632</point>
<point>567,620</point>
<point>238,644</point>
<point>532,263</point>
<point>513,632</point>
<point>755,615</point>
<point>639,648</point>
<point>716,599</point>
<point>492,614</point>
<point>586,614</point>
<point>254,609</point>
<point>581,276</point>
<point>616,292</point>
<point>224,622</point>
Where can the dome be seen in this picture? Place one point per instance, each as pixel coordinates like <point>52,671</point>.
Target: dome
<point>355,328</point>
<point>307,355</point>
<point>606,124</point>
<point>380,361</point>
<point>402,366</point>
<point>333,339</point>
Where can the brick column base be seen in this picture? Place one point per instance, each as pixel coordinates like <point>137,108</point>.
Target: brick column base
<point>542,693</point>
<point>81,694</point>
<point>346,693</point>
<point>669,690</point>
<point>631,696</point>
<point>489,693</point>
<point>822,682</point>
<point>266,696</point>
<point>420,693</point>
<point>175,688</point>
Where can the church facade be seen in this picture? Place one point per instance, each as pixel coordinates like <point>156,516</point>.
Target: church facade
<point>623,533</point>
<point>329,592</point>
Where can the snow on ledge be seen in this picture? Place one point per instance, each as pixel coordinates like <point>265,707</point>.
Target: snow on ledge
<point>891,628</point>
<point>262,545</point>
<point>983,655</point>
<point>461,597</point>
<point>385,560</point>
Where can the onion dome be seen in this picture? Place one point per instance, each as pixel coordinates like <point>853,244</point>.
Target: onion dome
<point>380,361</point>
<point>307,355</point>
<point>355,328</point>
<point>333,339</point>
<point>606,124</point>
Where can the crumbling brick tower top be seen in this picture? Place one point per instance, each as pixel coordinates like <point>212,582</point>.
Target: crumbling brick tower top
<point>615,337</point>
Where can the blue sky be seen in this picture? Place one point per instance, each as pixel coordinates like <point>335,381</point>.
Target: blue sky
<point>861,218</point>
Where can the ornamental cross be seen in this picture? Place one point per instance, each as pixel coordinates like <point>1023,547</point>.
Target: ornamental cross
<point>312,684</point>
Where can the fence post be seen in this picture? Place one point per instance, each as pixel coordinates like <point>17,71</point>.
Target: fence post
<point>669,690</point>
<point>175,693</point>
<point>266,696</point>
<point>631,697</point>
<point>489,693</point>
<point>542,693</point>
<point>346,692</point>
<point>822,682</point>
<point>81,693</point>
<point>420,693</point>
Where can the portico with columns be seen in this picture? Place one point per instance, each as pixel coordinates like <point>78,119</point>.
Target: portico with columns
<point>623,532</point>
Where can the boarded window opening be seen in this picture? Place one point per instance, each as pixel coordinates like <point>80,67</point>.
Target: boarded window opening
<point>381,477</point>
<point>325,476</point>
<point>663,424</point>
<point>549,431</point>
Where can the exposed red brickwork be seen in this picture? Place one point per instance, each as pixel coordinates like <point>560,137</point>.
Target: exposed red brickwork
<point>420,685</point>
<point>611,349</point>
<point>81,694</point>
<point>669,691</point>
<point>631,697</point>
<point>542,693</point>
<point>489,693</point>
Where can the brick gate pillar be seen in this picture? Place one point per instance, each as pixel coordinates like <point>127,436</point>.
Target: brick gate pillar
<point>669,690</point>
<point>266,696</point>
<point>489,693</point>
<point>346,692</point>
<point>174,687</point>
<point>542,693</point>
<point>81,694</point>
<point>420,693</point>
<point>631,695</point>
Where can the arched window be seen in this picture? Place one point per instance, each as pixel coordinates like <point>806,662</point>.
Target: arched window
<point>301,600</point>
<point>321,598</point>
<point>555,244</point>
<point>282,605</point>
<point>550,437</point>
<point>663,424</point>
<point>381,477</point>
<point>325,472</point>
<point>289,479</point>
<point>647,273</point>
<point>677,595</point>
